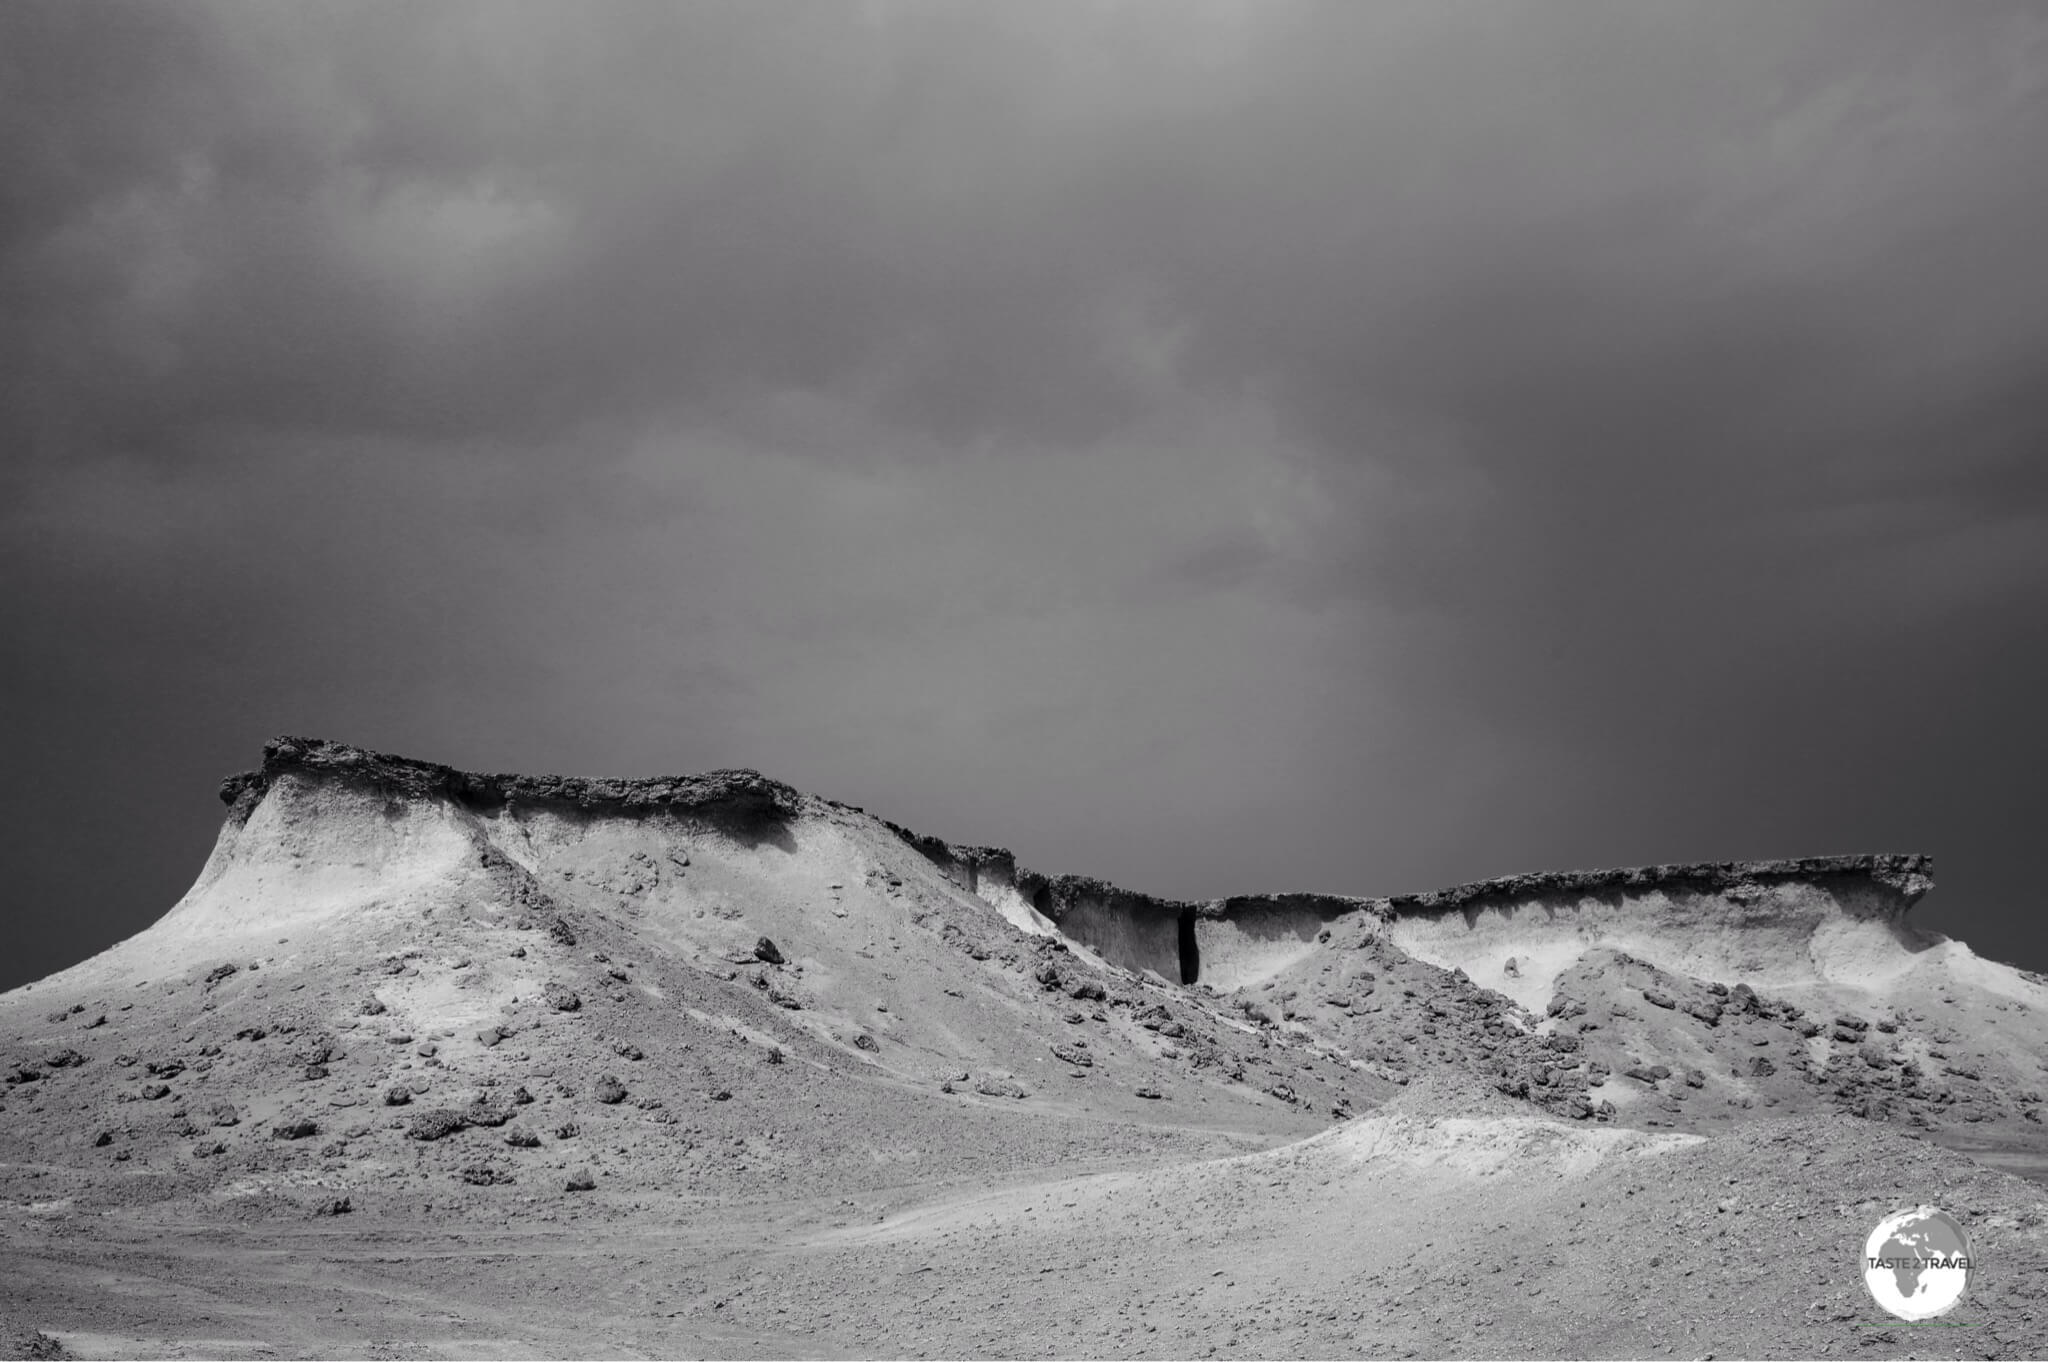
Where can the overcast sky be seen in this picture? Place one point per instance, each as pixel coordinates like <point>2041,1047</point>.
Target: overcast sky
<point>1213,446</point>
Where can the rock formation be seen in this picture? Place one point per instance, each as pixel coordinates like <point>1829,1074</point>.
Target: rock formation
<point>406,993</point>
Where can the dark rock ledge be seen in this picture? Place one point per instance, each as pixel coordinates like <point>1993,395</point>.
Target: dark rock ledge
<point>747,794</point>
<point>1908,875</point>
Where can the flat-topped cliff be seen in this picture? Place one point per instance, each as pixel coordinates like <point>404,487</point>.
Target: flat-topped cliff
<point>361,898</point>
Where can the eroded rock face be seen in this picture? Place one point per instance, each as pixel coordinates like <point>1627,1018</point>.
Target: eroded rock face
<point>1245,940</point>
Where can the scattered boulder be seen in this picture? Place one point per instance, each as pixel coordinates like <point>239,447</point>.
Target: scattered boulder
<point>224,1114</point>
<point>103,1139</point>
<point>1656,999</point>
<point>1760,1067</point>
<point>490,1036</point>
<point>295,1128</point>
<point>153,1091</point>
<point>397,1095</point>
<point>1075,1054</point>
<point>632,1053</point>
<point>218,973</point>
<point>484,1112</point>
<point>37,1345</point>
<point>1154,1018</point>
<point>339,1205</point>
<point>610,1091</point>
<point>483,1175</point>
<point>435,1123</point>
<point>864,1041</point>
<point>560,996</point>
<point>65,1059</point>
<point>766,952</point>
<point>522,1139</point>
<point>999,1087</point>
<point>580,1181</point>
<point>568,1130</point>
<point>1151,1094</point>
<point>521,1097</point>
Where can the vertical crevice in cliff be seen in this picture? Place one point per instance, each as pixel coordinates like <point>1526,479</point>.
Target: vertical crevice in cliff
<point>1190,949</point>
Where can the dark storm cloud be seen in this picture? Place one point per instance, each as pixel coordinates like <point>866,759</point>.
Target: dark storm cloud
<point>1216,446</point>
